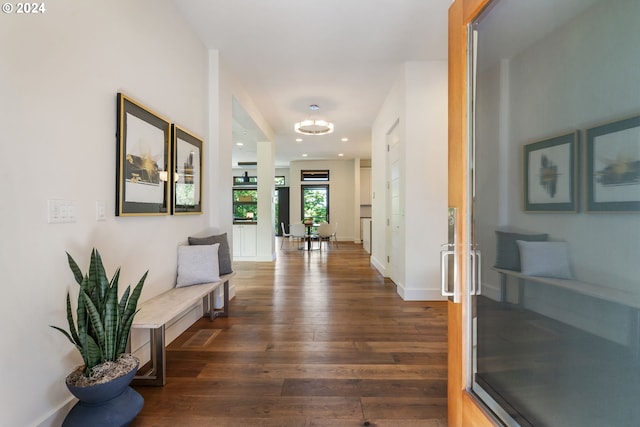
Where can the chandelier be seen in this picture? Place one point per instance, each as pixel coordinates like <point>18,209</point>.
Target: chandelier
<point>313,126</point>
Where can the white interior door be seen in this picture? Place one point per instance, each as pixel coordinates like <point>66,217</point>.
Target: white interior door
<point>395,219</point>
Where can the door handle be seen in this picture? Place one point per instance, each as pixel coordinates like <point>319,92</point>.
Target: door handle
<point>444,270</point>
<point>476,263</point>
<point>444,273</point>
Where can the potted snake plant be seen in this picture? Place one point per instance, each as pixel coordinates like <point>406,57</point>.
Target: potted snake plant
<point>100,331</point>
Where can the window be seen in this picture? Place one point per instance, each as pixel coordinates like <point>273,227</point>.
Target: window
<point>245,180</point>
<point>245,205</point>
<point>253,180</point>
<point>315,203</point>
<point>314,175</point>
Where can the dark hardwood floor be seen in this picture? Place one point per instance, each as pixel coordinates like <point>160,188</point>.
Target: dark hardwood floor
<point>313,339</point>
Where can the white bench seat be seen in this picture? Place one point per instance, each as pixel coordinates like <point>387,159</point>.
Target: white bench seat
<point>156,312</point>
<point>604,293</point>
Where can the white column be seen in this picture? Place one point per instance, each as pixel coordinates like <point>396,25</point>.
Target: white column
<point>266,209</point>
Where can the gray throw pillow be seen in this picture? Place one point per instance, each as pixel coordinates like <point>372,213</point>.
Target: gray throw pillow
<point>197,264</point>
<point>224,253</point>
<point>507,252</point>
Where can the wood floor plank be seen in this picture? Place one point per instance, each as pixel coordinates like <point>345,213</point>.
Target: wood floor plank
<point>260,406</point>
<point>404,407</point>
<point>318,370</point>
<point>292,358</point>
<point>365,388</point>
<point>313,339</point>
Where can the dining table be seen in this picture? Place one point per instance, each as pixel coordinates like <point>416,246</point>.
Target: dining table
<point>309,235</point>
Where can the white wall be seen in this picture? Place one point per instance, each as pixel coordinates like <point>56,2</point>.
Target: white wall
<point>426,174</point>
<point>594,79</point>
<point>418,102</point>
<point>59,75</point>
<point>341,194</point>
<point>283,172</point>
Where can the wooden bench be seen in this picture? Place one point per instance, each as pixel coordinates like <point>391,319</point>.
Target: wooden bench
<point>604,293</point>
<point>156,312</point>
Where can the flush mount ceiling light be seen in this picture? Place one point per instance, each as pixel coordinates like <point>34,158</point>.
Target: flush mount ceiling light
<point>313,126</point>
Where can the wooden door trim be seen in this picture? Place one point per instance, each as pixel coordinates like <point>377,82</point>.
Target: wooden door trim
<point>464,409</point>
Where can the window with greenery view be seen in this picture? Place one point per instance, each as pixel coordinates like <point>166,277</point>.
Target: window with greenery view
<point>315,203</point>
<point>245,204</point>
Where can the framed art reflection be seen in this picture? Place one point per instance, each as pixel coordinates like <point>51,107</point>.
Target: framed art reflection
<point>550,174</point>
<point>613,166</point>
<point>143,161</point>
<point>187,177</point>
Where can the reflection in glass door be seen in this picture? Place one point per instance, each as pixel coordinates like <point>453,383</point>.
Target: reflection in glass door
<point>556,212</point>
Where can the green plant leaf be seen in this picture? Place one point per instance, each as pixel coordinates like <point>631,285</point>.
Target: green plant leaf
<point>73,336</point>
<point>66,334</point>
<point>123,301</point>
<point>110,323</point>
<point>123,332</point>
<point>93,355</point>
<point>129,312</point>
<point>77,274</point>
<point>99,284</point>
<point>124,335</point>
<point>96,322</point>
<point>72,326</point>
<point>82,321</point>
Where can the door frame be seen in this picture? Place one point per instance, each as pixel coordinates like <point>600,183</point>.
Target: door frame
<point>392,138</point>
<point>464,408</point>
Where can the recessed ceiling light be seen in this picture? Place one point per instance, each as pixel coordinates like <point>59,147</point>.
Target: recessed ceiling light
<point>298,139</point>
<point>304,155</point>
<point>239,144</point>
<point>344,139</point>
<point>341,154</point>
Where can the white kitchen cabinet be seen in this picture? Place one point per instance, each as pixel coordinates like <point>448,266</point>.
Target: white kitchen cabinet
<point>244,240</point>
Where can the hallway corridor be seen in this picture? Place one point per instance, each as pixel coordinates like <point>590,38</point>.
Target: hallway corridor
<point>314,339</point>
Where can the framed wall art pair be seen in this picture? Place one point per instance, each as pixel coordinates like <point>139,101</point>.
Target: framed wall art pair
<point>158,164</point>
<point>611,170</point>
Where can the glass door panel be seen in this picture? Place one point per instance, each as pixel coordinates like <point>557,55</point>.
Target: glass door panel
<point>556,212</point>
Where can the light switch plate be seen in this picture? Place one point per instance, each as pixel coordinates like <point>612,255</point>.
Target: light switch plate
<point>59,211</point>
<point>101,210</point>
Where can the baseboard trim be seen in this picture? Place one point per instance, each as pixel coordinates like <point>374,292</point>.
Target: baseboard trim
<point>378,266</point>
<point>56,416</point>
<point>420,294</point>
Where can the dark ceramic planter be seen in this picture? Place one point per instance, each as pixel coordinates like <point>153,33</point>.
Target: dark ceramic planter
<point>112,404</point>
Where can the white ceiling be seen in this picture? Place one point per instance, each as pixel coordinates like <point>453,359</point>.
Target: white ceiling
<point>343,55</point>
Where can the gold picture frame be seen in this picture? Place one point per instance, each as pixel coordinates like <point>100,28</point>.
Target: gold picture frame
<point>186,155</point>
<point>142,160</point>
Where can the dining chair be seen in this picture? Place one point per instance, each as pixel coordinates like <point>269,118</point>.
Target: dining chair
<point>284,234</point>
<point>334,234</point>
<point>325,232</point>
<point>297,232</point>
